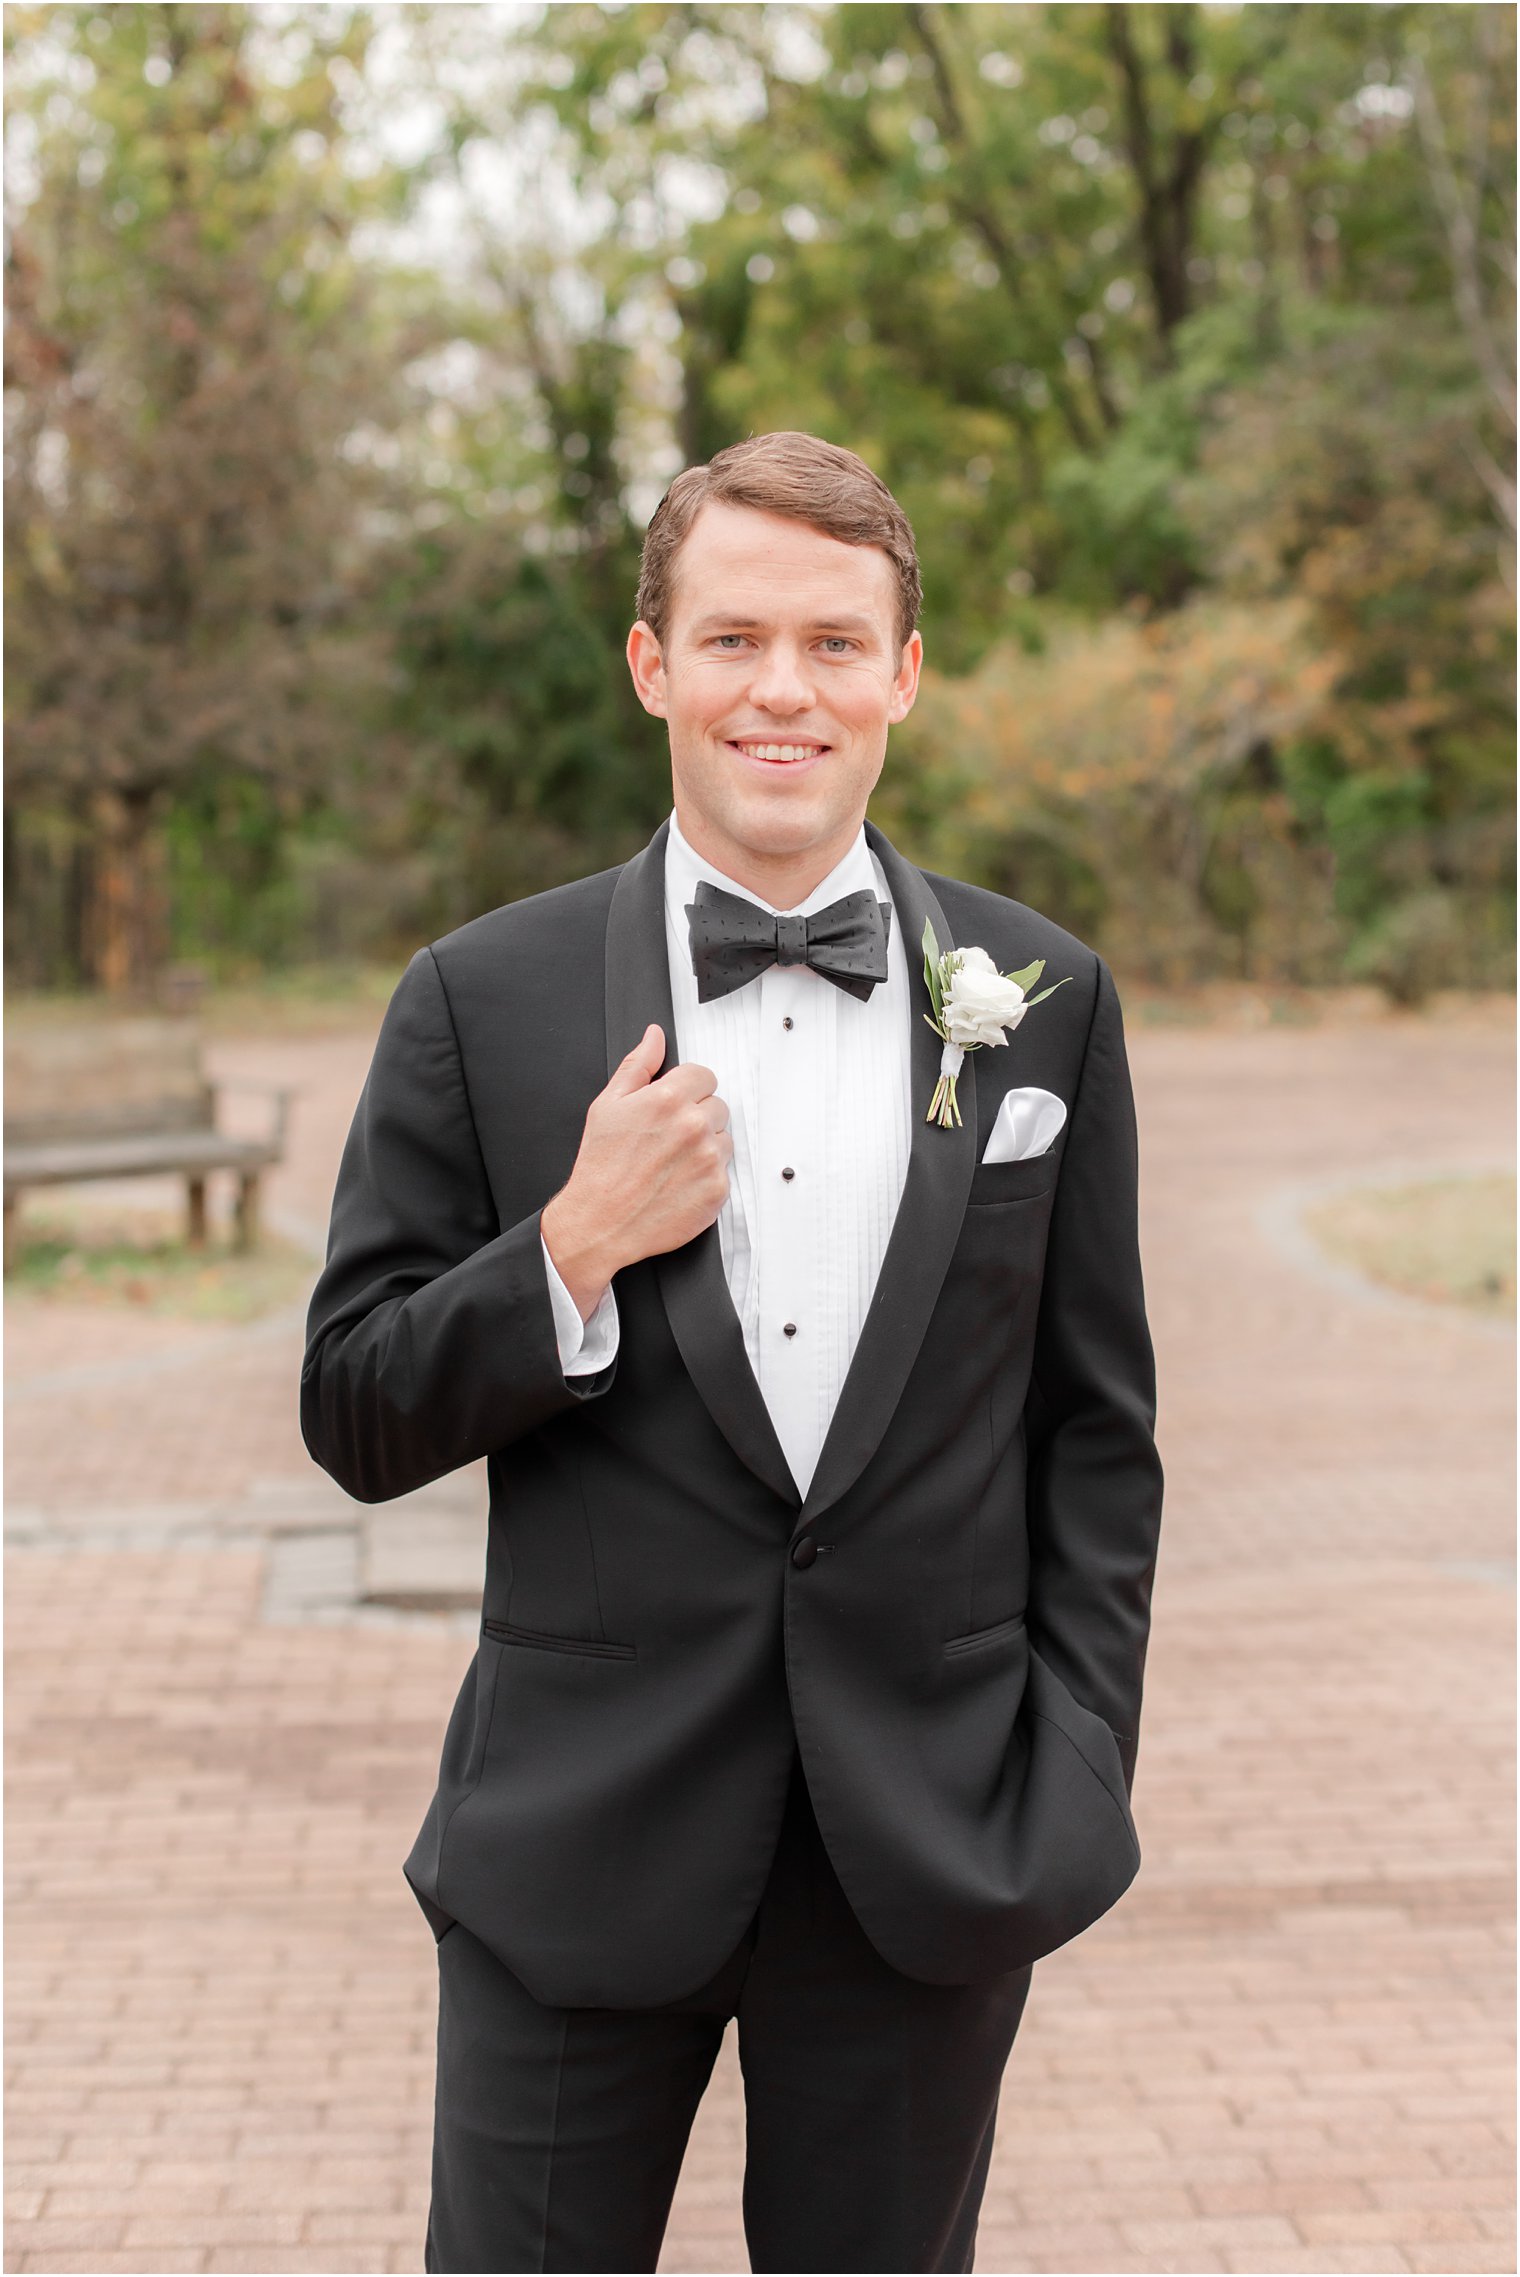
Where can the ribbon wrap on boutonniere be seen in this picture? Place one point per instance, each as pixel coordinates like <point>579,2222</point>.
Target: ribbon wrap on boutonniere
<point>974,1004</point>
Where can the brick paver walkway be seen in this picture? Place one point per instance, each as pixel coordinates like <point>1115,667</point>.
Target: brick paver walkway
<point>1288,2048</point>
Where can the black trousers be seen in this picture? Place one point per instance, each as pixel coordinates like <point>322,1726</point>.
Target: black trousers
<point>870,2099</point>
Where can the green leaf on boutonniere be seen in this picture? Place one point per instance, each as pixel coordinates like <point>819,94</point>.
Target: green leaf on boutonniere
<point>1044,992</point>
<point>931,969</point>
<point>1027,975</point>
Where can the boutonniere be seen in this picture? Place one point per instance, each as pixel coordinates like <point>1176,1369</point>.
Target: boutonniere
<point>974,1004</point>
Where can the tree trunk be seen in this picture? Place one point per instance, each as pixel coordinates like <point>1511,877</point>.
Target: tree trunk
<point>127,909</point>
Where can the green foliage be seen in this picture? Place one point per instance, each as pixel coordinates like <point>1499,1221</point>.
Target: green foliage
<point>188,349</point>
<point>1183,335</point>
<point>1128,760</point>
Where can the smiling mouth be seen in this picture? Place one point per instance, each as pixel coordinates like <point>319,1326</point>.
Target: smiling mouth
<point>778,753</point>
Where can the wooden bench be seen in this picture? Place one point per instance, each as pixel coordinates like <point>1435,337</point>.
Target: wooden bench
<point>126,1099</point>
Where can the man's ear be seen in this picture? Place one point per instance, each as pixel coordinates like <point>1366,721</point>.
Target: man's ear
<point>905,686</point>
<point>647,664</point>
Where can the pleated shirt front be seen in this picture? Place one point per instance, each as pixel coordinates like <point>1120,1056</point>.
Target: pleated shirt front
<point>816,1083</point>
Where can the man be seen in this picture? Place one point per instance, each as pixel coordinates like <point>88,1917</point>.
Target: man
<point>824,1497</point>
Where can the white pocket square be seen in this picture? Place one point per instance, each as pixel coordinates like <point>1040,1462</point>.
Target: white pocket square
<point>1027,1124</point>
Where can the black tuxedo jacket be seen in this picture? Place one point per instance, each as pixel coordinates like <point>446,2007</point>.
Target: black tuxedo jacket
<point>953,1621</point>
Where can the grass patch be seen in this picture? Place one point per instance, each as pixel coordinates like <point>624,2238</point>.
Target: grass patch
<point>335,998</point>
<point>307,1000</point>
<point>1451,1240</point>
<point>138,1261</point>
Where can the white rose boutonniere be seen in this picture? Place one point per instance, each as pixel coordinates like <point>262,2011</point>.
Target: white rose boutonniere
<point>974,1004</point>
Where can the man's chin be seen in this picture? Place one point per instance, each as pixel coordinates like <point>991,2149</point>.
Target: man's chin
<point>771,821</point>
<point>784,826</point>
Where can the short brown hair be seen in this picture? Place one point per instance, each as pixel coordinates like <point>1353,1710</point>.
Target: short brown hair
<point>789,473</point>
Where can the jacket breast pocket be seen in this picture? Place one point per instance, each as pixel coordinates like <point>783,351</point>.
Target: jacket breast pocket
<point>1012,1181</point>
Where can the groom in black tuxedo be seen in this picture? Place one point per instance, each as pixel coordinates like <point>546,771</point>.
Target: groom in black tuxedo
<point>824,1496</point>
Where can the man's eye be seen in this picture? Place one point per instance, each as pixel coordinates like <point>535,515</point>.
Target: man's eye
<point>730,636</point>
<point>843,642</point>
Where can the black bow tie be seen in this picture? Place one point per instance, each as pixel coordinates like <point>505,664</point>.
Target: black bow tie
<point>733,939</point>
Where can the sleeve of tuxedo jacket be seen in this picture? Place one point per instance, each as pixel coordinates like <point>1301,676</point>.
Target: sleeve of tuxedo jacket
<point>431,1335</point>
<point>1095,1477</point>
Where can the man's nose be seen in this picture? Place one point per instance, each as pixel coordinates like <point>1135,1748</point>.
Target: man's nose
<point>781,682</point>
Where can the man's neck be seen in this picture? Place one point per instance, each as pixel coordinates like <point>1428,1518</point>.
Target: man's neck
<point>783,880</point>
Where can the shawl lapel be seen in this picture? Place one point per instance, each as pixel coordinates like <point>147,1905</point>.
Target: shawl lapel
<point>700,1310</point>
<point>695,1294</point>
<point>928,1221</point>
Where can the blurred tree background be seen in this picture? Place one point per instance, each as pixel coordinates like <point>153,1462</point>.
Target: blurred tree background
<point>349,352</point>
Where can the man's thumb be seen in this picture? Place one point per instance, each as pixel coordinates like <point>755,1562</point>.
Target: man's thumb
<point>642,1064</point>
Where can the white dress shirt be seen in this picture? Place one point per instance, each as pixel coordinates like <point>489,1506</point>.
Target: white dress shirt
<point>817,1087</point>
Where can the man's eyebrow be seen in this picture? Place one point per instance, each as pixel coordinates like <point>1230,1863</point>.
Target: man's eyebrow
<point>740,623</point>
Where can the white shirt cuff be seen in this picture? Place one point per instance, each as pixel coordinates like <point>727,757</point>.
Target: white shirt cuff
<point>585,1346</point>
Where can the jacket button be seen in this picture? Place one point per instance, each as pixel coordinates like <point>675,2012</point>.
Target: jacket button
<point>805,1551</point>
